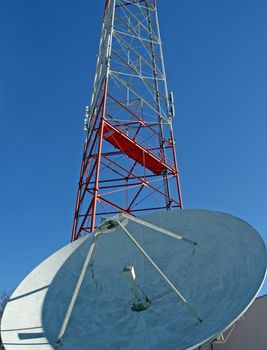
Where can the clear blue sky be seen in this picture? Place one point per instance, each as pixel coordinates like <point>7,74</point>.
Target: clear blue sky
<point>215,55</point>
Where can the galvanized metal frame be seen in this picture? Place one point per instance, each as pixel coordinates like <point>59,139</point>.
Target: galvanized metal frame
<point>129,160</point>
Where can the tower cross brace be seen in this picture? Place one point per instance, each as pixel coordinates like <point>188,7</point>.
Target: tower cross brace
<point>129,161</point>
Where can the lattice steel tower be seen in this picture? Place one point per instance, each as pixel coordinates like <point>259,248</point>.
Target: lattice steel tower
<point>129,160</point>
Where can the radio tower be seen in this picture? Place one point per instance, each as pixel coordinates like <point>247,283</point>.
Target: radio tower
<point>129,161</point>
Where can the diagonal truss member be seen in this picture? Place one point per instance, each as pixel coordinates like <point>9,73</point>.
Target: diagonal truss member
<point>129,160</point>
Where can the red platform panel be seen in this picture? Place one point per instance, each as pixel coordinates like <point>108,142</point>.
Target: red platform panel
<point>133,150</point>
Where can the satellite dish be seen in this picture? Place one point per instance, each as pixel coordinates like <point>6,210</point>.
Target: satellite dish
<point>171,280</point>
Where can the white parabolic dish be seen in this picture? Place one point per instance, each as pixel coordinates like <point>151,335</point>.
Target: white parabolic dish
<point>219,277</point>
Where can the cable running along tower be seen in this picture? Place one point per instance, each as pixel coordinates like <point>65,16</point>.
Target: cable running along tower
<point>129,161</point>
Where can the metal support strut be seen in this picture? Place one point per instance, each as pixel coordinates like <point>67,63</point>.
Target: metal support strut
<point>107,227</point>
<point>165,278</point>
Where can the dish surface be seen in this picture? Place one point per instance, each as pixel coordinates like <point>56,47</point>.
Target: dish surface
<point>219,278</point>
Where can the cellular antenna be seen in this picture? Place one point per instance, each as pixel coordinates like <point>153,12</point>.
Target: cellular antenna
<point>129,160</point>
